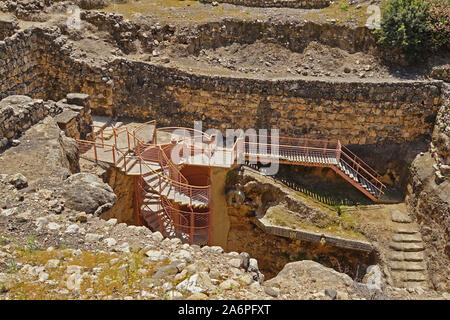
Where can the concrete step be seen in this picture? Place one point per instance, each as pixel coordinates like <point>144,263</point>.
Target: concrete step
<point>406,256</point>
<point>407,237</point>
<point>406,246</point>
<point>407,266</point>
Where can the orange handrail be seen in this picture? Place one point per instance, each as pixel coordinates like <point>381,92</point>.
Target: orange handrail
<point>171,176</point>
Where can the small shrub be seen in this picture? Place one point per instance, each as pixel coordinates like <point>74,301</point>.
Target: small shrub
<point>439,23</point>
<point>344,5</point>
<point>405,25</point>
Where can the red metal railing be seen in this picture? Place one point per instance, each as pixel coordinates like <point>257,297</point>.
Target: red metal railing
<point>167,212</point>
<point>318,152</point>
<point>178,191</point>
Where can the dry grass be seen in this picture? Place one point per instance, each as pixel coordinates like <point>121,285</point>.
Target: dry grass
<point>175,10</point>
<point>345,226</point>
<point>119,275</point>
<point>342,12</point>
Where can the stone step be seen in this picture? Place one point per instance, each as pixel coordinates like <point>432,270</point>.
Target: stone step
<point>400,217</point>
<point>407,266</point>
<point>413,284</point>
<point>406,229</point>
<point>408,276</point>
<point>407,237</point>
<point>406,256</point>
<point>406,246</point>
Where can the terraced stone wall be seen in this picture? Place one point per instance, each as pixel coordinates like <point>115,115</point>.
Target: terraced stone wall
<point>39,64</point>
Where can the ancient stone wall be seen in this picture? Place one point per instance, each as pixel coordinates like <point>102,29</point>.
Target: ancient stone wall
<point>441,134</point>
<point>75,119</point>
<point>273,252</point>
<point>293,36</point>
<point>277,3</point>
<point>18,113</point>
<point>8,26</point>
<point>359,112</point>
<point>22,69</point>
<point>355,112</point>
<point>429,203</point>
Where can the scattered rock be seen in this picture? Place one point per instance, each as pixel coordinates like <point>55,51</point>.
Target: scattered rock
<point>331,293</point>
<point>165,271</point>
<point>52,226</point>
<point>52,264</point>
<point>236,262</point>
<point>197,283</point>
<point>156,255</point>
<point>253,265</point>
<point>93,237</point>
<point>73,228</point>
<point>43,276</point>
<point>181,255</point>
<point>111,222</point>
<point>245,260</point>
<point>173,295</point>
<point>229,284</point>
<point>157,236</point>
<point>197,296</point>
<point>271,291</point>
<point>81,217</point>
<point>400,217</point>
<point>110,242</point>
<point>373,278</point>
<point>246,279</point>
<point>86,192</point>
<point>19,181</point>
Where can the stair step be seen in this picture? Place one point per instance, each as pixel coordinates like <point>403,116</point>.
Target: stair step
<point>406,256</point>
<point>407,266</point>
<point>406,246</point>
<point>408,276</point>
<point>413,284</point>
<point>400,217</point>
<point>405,229</point>
<point>407,237</point>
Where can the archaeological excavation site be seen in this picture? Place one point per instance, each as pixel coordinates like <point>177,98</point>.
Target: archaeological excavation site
<point>222,150</point>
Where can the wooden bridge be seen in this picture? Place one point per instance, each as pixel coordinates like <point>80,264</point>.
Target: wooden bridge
<point>167,200</point>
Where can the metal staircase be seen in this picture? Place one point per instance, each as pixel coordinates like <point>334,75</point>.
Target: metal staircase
<point>167,202</point>
<point>317,153</point>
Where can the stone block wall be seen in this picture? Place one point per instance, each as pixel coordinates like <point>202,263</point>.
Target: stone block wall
<point>18,113</point>
<point>75,119</point>
<point>440,146</point>
<point>277,3</point>
<point>22,69</point>
<point>8,26</point>
<point>39,64</point>
<point>354,112</point>
<point>314,237</point>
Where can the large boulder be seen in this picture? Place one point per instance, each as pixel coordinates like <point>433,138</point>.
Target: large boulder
<point>87,192</point>
<point>305,277</point>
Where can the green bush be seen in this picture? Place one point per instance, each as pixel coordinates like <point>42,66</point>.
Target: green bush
<point>405,25</point>
<point>439,23</point>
